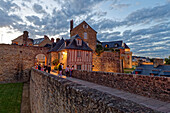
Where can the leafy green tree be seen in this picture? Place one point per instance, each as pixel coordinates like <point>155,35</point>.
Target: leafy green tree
<point>99,49</point>
<point>55,62</point>
<point>167,60</point>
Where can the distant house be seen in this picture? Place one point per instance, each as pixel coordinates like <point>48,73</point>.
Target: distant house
<point>126,54</point>
<point>24,40</point>
<point>42,41</point>
<point>73,52</point>
<point>136,60</point>
<point>157,69</point>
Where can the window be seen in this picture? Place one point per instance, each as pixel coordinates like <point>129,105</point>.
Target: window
<point>85,35</point>
<point>106,46</point>
<point>79,42</point>
<point>78,53</point>
<point>85,26</point>
<point>116,45</point>
<point>79,67</point>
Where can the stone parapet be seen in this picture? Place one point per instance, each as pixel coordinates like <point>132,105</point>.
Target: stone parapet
<point>51,94</point>
<point>153,87</point>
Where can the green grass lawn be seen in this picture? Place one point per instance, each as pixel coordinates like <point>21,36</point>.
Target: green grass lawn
<point>10,97</point>
<point>128,70</point>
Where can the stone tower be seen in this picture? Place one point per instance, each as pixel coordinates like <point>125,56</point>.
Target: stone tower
<point>87,33</point>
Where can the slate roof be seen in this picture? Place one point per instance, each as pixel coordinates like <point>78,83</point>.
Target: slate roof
<point>112,44</point>
<point>73,45</point>
<point>161,70</point>
<point>70,44</point>
<point>57,46</point>
<point>48,45</point>
<point>37,41</point>
<point>127,47</point>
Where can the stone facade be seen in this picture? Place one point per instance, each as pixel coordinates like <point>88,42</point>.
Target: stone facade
<point>107,62</point>
<point>82,28</point>
<point>51,94</point>
<point>16,61</point>
<point>153,87</point>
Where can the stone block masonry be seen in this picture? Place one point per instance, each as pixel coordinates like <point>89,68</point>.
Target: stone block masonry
<point>153,87</point>
<point>16,61</point>
<point>51,94</point>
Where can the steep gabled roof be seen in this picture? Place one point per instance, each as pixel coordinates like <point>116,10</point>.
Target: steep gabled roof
<point>73,44</point>
<point>84,23</point>
<point>126,47</point>
<point>37,41</point>
<point>57,46</point>
<point>112,44</point>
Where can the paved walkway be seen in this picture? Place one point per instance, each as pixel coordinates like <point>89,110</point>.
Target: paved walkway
<point>25,104</point>
<point>148,102</point>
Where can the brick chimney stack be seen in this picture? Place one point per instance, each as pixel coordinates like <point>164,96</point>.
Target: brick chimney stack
<point>52,40</point>
<point>71,25</point>
<point>58,39</point>
<point>46,37</point>
<point>25,37</point>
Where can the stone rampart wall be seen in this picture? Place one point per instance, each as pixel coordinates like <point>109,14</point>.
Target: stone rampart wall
<point>16,61</point>
<point>107,62</point>
<point>51,94</point>
<point>154,87</point>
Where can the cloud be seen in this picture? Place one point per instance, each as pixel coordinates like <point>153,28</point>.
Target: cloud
<point>8,20</point>
<point>8,6</point>
<point>38,8</point>
<point>119,6</point>
<point>148,15</point>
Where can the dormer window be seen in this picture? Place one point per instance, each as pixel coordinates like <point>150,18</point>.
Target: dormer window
<point>85,35</point>
<point>116,45</point>
<point>79,42</point>
<point>85,26</point>
<point>106,46</point>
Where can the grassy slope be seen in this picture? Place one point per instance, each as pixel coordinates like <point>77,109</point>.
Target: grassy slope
<point>10,97</point>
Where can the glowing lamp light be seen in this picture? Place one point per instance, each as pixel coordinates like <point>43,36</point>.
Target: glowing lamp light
<point>64,53</point>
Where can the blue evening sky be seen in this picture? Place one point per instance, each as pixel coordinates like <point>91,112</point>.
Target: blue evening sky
<point>144,25</point>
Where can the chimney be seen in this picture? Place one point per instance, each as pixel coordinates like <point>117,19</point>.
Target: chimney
<point>46,37</point>
<point>157,62</point>
<point>52,40</point>
<point>71,25</point>
<point>25,37</point>
<point>58,39</point>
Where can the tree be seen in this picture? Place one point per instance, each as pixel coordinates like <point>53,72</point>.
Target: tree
<point>167,60</point>
<point>55,62</point>
<point>99,49</point>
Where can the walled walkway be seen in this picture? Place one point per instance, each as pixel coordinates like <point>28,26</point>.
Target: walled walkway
<point>148,102</point>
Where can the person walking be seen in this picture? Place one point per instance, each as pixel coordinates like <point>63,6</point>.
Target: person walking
<point>67,70</point>
<point>71,70</point>
<point>39,67</point>
<point>60,69</point>
<point>45,68</point>
<point>49,68</point>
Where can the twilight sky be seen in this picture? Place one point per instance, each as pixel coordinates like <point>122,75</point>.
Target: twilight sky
<point>144,25</point>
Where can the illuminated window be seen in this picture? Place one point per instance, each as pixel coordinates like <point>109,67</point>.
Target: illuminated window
<point>85,35</point>
<point>106,46</point>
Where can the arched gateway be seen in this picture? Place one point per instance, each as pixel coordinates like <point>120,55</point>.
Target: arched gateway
<point>16,61</point>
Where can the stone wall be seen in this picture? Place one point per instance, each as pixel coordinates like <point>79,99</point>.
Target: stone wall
<point>51,94</point>
<point>107,62</point>
<point>16,61</point>
<point>153,87</point>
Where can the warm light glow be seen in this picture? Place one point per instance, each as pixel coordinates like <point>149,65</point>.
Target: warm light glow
<point>64,53</point>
